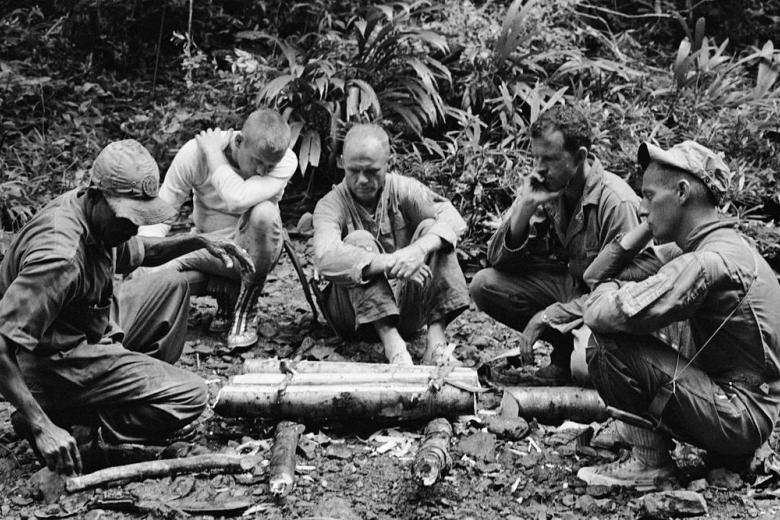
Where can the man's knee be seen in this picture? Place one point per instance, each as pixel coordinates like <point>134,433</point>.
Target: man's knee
<point>480,288</point>
<point>263,214</point>
<point>362,239</point>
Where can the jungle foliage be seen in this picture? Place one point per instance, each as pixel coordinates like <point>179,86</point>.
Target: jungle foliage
<point>457,83</point>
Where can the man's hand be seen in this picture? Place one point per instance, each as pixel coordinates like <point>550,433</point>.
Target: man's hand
<point>637,238</point>
<point>58,448</point>
<point>533,191</point>
<point>227,250</point>
<point>535,327</point>
<point>408,263</point>
<point>213,141</point>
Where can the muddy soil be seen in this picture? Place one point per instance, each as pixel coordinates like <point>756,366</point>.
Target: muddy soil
<point>362,471</point>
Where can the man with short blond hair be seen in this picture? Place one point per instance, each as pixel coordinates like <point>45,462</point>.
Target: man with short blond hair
<point>236,180</point>
<point>387,245</point>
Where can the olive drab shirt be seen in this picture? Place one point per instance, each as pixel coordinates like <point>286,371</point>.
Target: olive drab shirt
<point>608,207</point>
<point>719,283</point>
<point>403,204</point>
<point>56,280</point>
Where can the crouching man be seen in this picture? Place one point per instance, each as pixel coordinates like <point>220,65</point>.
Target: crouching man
<point>236,180</point>
<point>717,393</point>
<point>71,352</point>
<point>387,244</point>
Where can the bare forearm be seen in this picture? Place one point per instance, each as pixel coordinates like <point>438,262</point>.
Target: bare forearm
<point>428,243</point>
<point>15,390</point>
<point>518,223</point>
<point>377,266</point>
<point>157,251</point>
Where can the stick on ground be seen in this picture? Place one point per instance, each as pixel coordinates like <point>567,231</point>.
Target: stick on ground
<point>433,459</point>
<point>281,469</point>
<point>161,468</point>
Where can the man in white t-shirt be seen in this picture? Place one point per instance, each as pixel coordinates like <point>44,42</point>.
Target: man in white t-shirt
<point>236,180</point>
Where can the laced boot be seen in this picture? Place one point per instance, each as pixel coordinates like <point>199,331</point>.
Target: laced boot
<point>225,292</point>
<point>608,437</point>
<point>243,333</point>
<point>648,463</point>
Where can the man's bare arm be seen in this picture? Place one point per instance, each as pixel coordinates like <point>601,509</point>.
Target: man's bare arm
<point>56,446</point>
<point>157,251</point>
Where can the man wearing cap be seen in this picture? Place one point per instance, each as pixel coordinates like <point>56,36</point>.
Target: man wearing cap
<point>565,212</point>
<point>718,393</point>
<point>236,180</point>
<point>74,353</point>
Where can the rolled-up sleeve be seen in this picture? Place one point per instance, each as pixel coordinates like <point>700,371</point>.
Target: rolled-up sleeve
<point>420,203</point>
<point>35,299</point>
<point>673,294</point>
<point>130,255</point>
<point>336,261</point>
<point>499,254</point>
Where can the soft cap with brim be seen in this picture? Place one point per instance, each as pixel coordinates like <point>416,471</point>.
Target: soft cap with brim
<point>690,156</point>
<point>129,178</point>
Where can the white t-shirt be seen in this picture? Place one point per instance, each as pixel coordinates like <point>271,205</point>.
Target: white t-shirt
<point>219,197</point>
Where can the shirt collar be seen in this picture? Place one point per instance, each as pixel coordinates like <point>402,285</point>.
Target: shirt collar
<point>697,234</point>
<point>80,200</point>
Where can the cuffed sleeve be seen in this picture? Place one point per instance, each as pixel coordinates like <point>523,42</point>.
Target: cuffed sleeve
<point>35,299</point>
<point>499,254</point>
<point>420,203</point>
<point>130,255</point>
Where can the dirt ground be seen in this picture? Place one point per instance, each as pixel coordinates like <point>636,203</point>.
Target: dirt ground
<point>362,471</point>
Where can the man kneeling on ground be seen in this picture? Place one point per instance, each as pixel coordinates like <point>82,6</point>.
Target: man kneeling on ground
<point>721,394</point>
<point>73,353</point>
<point>236,180</point>
<point>387,244</point>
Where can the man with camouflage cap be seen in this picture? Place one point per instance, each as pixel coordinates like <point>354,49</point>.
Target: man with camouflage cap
<point>74,353</point>
<point>718,393</point>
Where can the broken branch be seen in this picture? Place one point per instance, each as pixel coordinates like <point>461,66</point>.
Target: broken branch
<point>161,468</point>
<point>282,462</point>
<point>433,459</point>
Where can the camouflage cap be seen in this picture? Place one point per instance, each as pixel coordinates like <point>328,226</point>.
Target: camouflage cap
<point>129,178</point>
<point>698,160</point>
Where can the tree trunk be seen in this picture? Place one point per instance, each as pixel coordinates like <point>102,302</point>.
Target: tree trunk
<point>391,400</point>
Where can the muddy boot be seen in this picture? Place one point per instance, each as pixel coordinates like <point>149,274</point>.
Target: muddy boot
<point>608,437</point>
<point>225,292</point>
<point>647,466</point>
<point>243,333</point>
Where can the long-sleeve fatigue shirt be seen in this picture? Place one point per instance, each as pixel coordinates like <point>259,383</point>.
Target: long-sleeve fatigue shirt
<point>719,283</point>
<point>608,208</point>
<point>56,280</point>
<point>403,204</point>
<point>219,197</point>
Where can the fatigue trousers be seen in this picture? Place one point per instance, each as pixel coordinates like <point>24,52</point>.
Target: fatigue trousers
<point>352,310</point>
<point>513,299</point>
<point>259,231</point>
<point>125,383</point>
<point>722,416</point>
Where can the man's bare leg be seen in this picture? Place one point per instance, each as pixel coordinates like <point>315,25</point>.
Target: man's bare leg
<point>395,346</point>
<point>437,351</point>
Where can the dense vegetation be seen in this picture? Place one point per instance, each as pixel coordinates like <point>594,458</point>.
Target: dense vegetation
<point>457,83</point>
